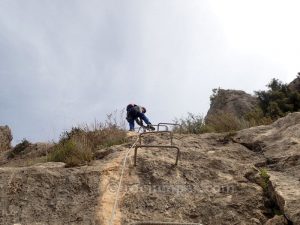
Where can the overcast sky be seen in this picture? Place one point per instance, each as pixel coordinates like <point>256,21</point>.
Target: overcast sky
<point>63,63</point>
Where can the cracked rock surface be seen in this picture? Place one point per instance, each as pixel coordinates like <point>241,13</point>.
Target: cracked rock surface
<point>215,182</point>
<point>211,178</point>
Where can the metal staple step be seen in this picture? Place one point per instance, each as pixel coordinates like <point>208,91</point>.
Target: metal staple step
<point>172,124</point>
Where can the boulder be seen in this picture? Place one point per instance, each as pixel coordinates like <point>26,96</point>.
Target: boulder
<point>234,102</point>
<point>277,220</point>
<point>5,138</point>
<point>280,144</point>
<point>49,194</point>
<point>295,84</point>
<point>285,190</point>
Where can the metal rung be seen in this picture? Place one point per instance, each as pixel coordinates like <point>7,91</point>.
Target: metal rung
<point>155,146</point>
<point>159,125</point>
<point>154,125</point>
<point>172,124</point>
<point>155,132</point>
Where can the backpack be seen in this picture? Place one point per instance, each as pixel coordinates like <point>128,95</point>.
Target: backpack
<point>129,107</point>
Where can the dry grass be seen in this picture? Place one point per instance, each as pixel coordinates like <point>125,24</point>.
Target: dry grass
<point>192,124</point>
<point>195,124</point>
<point>257,118</point>
<point>74,152</point>
<point>225,122</point>
<point>221,122</point>
<point>77,146</point>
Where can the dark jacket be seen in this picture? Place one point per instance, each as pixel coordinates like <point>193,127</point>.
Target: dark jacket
<point>133,113</point>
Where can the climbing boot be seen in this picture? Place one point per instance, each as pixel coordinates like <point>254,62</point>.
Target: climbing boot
<point>150,127</point>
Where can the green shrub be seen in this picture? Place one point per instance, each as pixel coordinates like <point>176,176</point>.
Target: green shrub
<point>18,149</point>
<point>100,135</point>
<point>222,122</point>
<point>105,137</point>
<point>217,96</point>
<point>77,146</point>
<point>264,182</point>
<point>192,124</point>
<point>225,122</point>
<point>72,152</point>
<point>278,100</point>
<point>68,135</point>
<point>256,118</point>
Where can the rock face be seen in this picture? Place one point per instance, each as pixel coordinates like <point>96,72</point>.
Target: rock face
<point>215,182</point>
<point>208,185</point>
<point>295,84</point>
<point>237,103</point>
<point>49,194</point>
<point>285,191</point>
<point>30,154</point>
<point>211,183</point>
<point>280,154</point>
<point>5,138</point>
<point>277,220</point>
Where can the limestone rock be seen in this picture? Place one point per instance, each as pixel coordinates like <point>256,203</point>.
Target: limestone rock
<point>215,182</point>
<point>100,154</point>
<point>277,220</point>
<point>295,84</point>
<point>49,194</point>
<point>286,191</point>
<point>234,102</point>
<point>5,138</point>
<point>280,144</point>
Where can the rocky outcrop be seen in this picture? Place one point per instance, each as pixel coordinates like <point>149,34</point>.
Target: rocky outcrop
<point>212,179</point>
<point>295,84</point>
<point>285,190</point>
<point>207,187</point>
<point>49,194</point>
<point>5,138</point>
<point>280,154</point>
<point>218,180</point>
<point>278,141</point>
<point>25,154</point>
<point>234,102</point>
<point>277,220</point>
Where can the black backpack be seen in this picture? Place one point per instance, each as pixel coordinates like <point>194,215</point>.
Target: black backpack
<point>129,107</point>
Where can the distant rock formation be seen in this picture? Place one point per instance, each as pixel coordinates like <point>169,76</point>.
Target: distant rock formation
<point>234,102</point>
<point>295,84</point>
<point>5,138</point>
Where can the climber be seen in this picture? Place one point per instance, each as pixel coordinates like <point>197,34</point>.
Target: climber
<point>137,113</point>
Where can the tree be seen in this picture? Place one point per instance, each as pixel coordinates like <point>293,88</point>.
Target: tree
<point>278,100</point>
